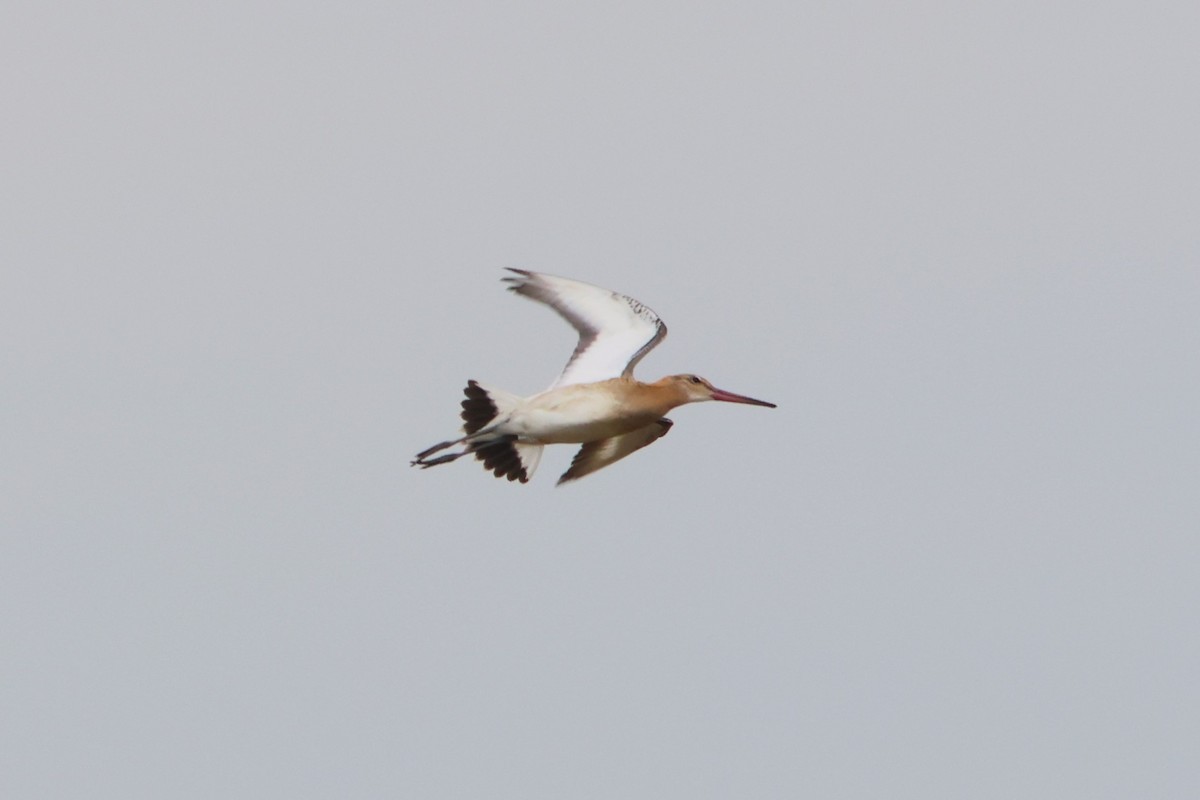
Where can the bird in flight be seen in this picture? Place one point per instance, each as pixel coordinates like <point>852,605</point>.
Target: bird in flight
<point>595,402</point>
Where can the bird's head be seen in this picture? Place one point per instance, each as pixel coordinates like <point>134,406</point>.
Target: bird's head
<point>695,390</point>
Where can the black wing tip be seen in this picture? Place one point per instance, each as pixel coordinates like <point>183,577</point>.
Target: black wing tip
<point>581,455</point>
<point>515,283</point>
<point>567,477</point>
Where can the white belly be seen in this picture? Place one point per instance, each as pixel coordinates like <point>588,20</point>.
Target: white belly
<point>574,414</point>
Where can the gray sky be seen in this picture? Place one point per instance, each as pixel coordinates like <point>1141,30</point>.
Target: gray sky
<point>251,255</point>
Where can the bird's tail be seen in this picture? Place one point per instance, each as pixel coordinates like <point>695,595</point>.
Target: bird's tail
<point>484,411</point>
<point>485,404</point>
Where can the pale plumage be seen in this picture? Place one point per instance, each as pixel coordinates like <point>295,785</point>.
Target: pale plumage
<point>615,331</point>
<point>594,402</point>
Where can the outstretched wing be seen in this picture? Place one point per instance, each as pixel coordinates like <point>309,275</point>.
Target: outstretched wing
<point>599,454</point>
<point>615,331</point>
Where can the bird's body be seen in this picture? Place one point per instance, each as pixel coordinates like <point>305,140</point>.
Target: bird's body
<point>595,402</point>
<point>584,412</point>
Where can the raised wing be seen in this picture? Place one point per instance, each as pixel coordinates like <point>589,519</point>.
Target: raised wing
<point>615,331</point>
<point>602,452</point>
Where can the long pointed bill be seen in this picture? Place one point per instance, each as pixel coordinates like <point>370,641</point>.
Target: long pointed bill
<point>730,397</point>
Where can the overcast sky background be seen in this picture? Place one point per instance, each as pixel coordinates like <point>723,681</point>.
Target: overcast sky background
<point>249,255</point>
